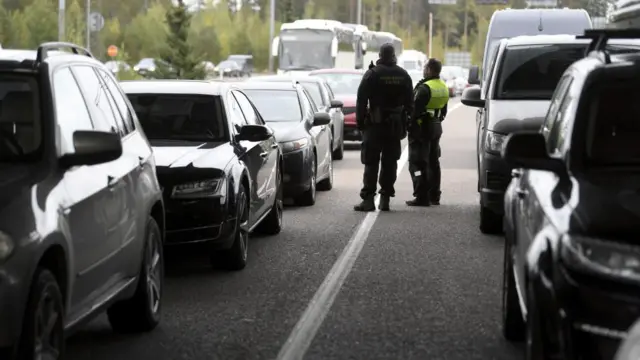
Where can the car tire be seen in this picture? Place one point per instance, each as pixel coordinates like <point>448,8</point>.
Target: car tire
<point>45,301</point>
<point>534,346</point>
<point>235,258</point>
<point>308,198</point>
<point>327,184</point>
<point>490,222</point>
<point>272,224</point>
<point>338,154</point>
<point>142,312</point>
<point>513,326</point>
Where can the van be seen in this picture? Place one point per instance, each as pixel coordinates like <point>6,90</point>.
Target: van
<point>509,23</point>
<point>245,62</point>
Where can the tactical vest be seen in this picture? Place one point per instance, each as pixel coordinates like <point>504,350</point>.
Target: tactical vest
<point>439,96</point>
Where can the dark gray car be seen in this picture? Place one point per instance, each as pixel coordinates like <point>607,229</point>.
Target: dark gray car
<point>81,212</point>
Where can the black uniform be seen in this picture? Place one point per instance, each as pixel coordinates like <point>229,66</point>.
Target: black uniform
<point>388,90</point>
<point>424,149</point>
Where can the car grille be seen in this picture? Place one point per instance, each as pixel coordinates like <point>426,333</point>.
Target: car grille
<point>349,110</point>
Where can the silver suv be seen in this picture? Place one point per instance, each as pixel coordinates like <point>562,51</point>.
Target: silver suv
<point>81,212</point>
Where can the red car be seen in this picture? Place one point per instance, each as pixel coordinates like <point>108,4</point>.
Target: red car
<point>344,85</point>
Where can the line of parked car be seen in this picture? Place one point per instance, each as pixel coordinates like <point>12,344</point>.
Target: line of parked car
<point>100,176</point>
<point>558,164</point>
<point>234,66</point>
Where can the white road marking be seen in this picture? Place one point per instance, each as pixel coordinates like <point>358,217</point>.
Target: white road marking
<point>305,330</point>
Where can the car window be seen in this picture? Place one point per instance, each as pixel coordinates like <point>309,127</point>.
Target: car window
<point>96,98</point>
<point>545,63</point>
<point>237,117</point>
<point>247,109</point>
<point>330,92</point>
<point>614,126</point>
<point>120,102</point>
<point>314,90</point>
<point>71,110</point>
<point>554,107</point>
<point>308,107</point>
<point>276,105</point>
<point>558,133</point>
<point>189,117</point>
<point>20,124</point>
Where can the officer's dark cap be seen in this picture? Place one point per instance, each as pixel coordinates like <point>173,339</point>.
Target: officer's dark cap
<point>387,52</point>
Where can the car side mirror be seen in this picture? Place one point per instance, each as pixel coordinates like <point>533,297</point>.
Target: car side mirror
<point>474,75</point>
<point>529,150</point>
<point>336,104</point>
<point>471,96</point>
<point>321,118</point>
<point>91,148</point>
<point>254,133</point>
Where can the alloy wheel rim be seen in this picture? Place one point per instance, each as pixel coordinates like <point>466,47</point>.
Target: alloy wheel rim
<point>313,178</point>
<point>154,274</point>
<point>47,339</point>
<point>244,223</point>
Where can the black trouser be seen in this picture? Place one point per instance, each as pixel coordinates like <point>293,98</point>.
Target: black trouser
<point>379,147</point>
<point>424,166</point>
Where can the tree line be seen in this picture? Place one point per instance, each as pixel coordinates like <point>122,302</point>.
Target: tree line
<point>139,28</point>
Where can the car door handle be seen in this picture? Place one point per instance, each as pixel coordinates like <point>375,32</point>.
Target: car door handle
<point>274,146</point>
<point>264,154</point>
<point>522,193</point>
<point>516,173</point>
<point>141,162</point>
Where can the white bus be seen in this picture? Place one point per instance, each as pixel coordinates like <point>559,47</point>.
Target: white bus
<point>310,44</point>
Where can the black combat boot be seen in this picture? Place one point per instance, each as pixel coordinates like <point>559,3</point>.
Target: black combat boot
<point>418,202</point>
<point>384,203</point>
<point>435,198</point>
<point>365,205</point>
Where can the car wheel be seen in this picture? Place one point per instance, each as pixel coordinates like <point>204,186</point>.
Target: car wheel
<point>327,184</point>
<point>308,197</point>
<point>490,222</point>
<point>235,258</point>
<point>43,330</point>
<point>339,153</point>
<point>534,349</point>
<point>142,312</point>
<point>513,327</point>
<point>272,224</point>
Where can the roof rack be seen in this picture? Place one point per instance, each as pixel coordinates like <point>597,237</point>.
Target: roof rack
<point>600,37</point>
<point>44,48</point>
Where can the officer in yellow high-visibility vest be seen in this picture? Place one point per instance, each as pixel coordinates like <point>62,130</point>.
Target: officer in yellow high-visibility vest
<point>431,96</point>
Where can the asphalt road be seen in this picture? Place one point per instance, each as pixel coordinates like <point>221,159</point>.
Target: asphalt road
<point>414,283</point>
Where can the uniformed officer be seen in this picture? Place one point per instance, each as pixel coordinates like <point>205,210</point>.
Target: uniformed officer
<point>431,96</point>
<point>387,89</point>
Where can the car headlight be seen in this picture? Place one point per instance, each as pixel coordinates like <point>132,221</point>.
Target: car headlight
<point>135,68</point>
<point>199,189</point>
<point>295,145</point>
<point>153,68</point>
<point>494,142</point>
<point>603,257</point>
<point>6,246</point>
<point>227,70</point>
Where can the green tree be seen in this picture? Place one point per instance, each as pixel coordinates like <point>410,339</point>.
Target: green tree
<point>180,55</point>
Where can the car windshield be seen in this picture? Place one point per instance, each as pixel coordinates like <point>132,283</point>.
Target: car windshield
<point>342,83</point>
<point>180,117</point>
<point>544,63</point>
<point>305,49</point>
<point>147,62</point>
<point>228,64</point>
<point>615,126</point>
<point>276,105</point>
<point>20,126</point>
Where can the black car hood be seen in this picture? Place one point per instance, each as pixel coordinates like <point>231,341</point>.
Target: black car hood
<point>285,131</point>
<point>606,210</point>
<point>507,116</point>
<point>211,155</point>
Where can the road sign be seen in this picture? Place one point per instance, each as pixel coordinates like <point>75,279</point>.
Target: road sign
<point>96,21</point>
<point>112,51</point>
